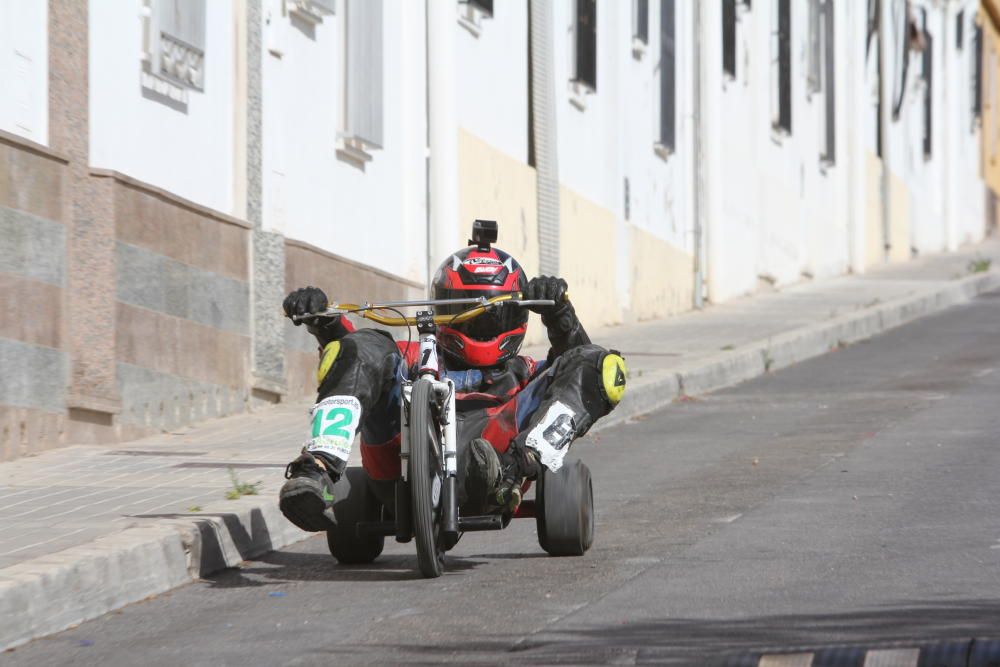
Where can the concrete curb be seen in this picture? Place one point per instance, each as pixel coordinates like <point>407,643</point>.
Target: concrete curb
<point>52,593</point>
<point>726,369</point>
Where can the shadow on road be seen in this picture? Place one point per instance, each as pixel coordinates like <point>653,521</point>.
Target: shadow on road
<point>315,567</point>
<point>724,641</point>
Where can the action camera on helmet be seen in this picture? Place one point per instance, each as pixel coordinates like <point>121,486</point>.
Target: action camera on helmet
<point>484,233</point>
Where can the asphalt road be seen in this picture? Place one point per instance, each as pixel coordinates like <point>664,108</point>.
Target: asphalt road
<point>851,499</point>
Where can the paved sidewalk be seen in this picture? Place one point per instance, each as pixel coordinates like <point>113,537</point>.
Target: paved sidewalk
<point>87,529</point>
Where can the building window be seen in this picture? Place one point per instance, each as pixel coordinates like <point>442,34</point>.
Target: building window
<point>173,58</point>
<point>960,30</point>
<point>640,27</point>
<point>927,74</point>
<point>585,44</point>
<point>361,110</point>
<point>668,79</point>
<point>729,38</point>
<point>828,82</point>
<point>781,66</point>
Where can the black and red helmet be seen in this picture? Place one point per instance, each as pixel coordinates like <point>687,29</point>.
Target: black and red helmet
<point>495,336</point>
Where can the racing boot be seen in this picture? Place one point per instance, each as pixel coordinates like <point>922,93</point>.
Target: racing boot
<point>306,499</point>
<point>482,475</point>
<point>519,464</point>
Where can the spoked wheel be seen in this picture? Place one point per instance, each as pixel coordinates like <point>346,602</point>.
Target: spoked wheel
<point>425,480</point>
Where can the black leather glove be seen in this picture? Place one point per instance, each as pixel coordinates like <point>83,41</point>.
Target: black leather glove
<point>546,287</point>
<point>304,301</point>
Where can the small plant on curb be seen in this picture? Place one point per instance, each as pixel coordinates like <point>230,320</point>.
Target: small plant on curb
<point>768,361</point>
<point>727,348</point>
<point>979,265</point>
<point>194,508</point>
<point>240,488</point>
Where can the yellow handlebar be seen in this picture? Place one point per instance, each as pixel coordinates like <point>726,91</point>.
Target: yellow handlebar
<point>396,321</point>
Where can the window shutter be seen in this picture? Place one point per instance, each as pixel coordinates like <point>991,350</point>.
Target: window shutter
<point>729,37</point>
<point>640,20</point>
<point>185,21</point>
<point>667,75</point>
<point>977,73</point>
<point>829,83</point>
<point>785,65</point>
<point>363,71</point>
<point>485,6</point>
<point>586,42</point>
<point>928,67</point>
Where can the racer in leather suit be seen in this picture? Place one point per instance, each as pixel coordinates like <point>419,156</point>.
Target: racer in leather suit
<point>514,412</point>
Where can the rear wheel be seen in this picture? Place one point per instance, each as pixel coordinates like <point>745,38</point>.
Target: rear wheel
<point>425,480</point>
<point>565,510</point>
<point>355,503</point>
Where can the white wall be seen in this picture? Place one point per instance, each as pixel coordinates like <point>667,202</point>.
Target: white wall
<point>492,72</point>
<point>188,153</point>
<point>964,191</point>
<point>588,140</point>
<point>24,69</point>
<point>660,187</point>
<point>376,214</point>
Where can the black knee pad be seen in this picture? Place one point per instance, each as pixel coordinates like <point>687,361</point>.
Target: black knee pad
<point>358,364</point>
<point>591,378</point>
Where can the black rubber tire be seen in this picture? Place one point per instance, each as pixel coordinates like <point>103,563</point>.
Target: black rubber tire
<point>565,510</point>
<point>425,464</point>
<point>355,502</point>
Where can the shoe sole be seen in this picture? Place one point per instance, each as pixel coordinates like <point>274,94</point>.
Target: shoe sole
<point>305,508</point>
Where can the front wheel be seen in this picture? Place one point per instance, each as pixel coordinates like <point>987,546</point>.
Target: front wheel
<point>565,510</point>
<point>425,477</point>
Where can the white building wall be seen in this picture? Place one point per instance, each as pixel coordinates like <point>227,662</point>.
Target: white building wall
<point>780,212</point>
<point>376,213</point>
<point>660,186</point>
<point>24,69</point>
<point>588,141</point>
<point>492,70</point>
<point>965,195</point>
<point>186,152</point>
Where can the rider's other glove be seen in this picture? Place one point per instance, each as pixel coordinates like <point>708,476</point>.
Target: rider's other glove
<point>559,319</point>
<point>304,301</point>
<point>546,288</point>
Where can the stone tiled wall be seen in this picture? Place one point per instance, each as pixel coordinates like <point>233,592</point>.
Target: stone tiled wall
<point>33,366</point>
<point>342,280</point>
<point>183,310</point>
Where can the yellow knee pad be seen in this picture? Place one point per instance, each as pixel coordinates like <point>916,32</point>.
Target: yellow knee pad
<point>613,377</point>
<point>330,354</point>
